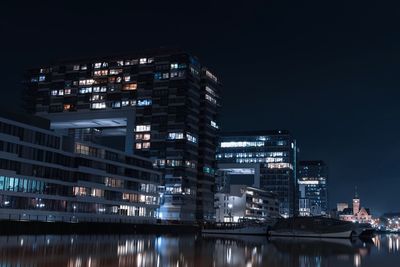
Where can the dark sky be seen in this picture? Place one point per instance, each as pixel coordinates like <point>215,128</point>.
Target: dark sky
<point>328,71</point>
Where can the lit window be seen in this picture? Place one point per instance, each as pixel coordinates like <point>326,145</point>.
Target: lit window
<point>159,163</point>
<point>210,91</point>
<point>211,99</point>
<point>85,90</point>
<point>190,164</point>
<point>115,71</point>
<point>116,104</point>
<point>146,145</point>
<point>191,138</point>
<point>67,91</point>
<point>174,136</point>
<point>79,191</point>
<point>178,66</point>
<point>81,149</point>
<point>97,192</point>
<point>131,62</point>
<point>98,89</point>
<point>161,76</point>
<point>67,107</point>
<point>242,144</point>
<point>100,65</point>
<point>100,72</point>
<point>138,145</point>
<point>60,92</point>
<point>144,102</point>
<point>208,170</point>
<point>130,86</point>
<point>150,60</point>
<point>211,76</point>
<point>42,78</point>
<point>96,97</point>
<point>83,67</point>
<point>143,61</point>
<point>76,67</point>
<point>127,78</point>
<point>174,162</point>
<point>100,105</point>
<point>125,103</point>
<point>87,82</point>
<point>280,166</point>
<point>54,92</point>
<point>146,136</point>
<point>143,128</point>
<point>120,62</point>
<point>214,124</point>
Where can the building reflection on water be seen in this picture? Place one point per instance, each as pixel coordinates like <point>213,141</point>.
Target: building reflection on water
<point>192,250</point>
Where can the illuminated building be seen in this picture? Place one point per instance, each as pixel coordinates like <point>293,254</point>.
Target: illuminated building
<point>341,206</point>
<point>45,176</point>
<point>162,105</point>
<point>356,213</point>
<point>261,159</point>
<point>245,202</point>
<point>356,204</point>
<point>313,188</point>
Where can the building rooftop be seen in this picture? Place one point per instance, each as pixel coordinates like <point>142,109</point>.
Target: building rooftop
<point>255,133</point>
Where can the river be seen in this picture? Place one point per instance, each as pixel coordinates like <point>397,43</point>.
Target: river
<point>195,250</point>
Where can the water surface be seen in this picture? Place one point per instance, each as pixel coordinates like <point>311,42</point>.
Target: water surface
<point>195,250</point>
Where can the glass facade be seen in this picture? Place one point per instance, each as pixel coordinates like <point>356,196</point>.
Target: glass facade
<point>313,188</point>
<point>46,176</point>
<point>272,153</point>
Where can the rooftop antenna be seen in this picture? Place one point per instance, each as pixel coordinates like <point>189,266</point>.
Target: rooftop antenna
<point>356,194</point>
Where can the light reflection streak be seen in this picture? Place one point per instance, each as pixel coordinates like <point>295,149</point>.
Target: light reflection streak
<point>191,250</point>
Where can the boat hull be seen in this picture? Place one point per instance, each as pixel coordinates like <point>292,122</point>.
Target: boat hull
<point>344,234</point>
<point>237,231</point>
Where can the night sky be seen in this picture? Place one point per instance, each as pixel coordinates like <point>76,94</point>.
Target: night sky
<point>329,73</point>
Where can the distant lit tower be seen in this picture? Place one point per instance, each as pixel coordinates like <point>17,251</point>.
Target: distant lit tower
<point>356,203</point>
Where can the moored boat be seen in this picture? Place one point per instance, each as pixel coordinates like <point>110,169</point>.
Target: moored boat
<point>319,227</point>
<point>235,229</point>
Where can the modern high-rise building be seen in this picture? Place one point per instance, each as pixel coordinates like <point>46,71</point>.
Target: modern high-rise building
<point>45,176</point>
<point>260,159</point>
<point>162,105</point>
<point>313,188</point>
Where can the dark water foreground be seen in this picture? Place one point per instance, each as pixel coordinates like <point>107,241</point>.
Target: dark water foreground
<point>194,250</point>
